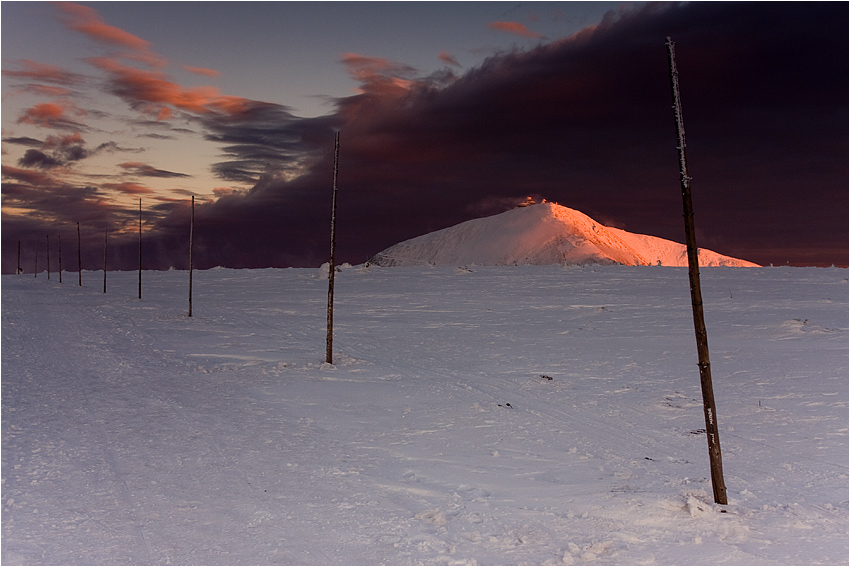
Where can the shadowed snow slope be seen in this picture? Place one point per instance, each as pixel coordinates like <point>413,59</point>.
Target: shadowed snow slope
<point>539,235</point>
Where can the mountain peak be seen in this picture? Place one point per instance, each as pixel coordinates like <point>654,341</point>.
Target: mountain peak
<point>540,234</point>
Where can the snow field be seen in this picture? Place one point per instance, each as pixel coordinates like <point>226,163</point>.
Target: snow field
<point>523,415</point>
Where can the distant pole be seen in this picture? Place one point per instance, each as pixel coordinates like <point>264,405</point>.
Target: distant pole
<point>105,236</point>
<point>48,256</point>
<point>60,257</point>
<point>191,236</point>
<point>35,267</point>
<point>332,269</point>
<point>140,248</point>
<point>79,256</point>
<point>711,428</point>
<point>19,257</point>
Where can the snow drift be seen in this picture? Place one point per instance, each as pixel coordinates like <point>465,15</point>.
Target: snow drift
<point>542,234</point>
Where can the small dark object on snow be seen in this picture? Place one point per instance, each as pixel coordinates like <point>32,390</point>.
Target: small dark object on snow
<point>545,377</point>
<point>506,405</point>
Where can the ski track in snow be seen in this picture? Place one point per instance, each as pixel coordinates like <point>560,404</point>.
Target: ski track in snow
<point>524,415</point>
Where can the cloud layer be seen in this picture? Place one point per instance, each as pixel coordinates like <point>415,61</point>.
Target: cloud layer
<point>584,121</point>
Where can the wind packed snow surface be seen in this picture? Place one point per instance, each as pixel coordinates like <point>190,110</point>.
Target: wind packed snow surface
<point>528,415</point>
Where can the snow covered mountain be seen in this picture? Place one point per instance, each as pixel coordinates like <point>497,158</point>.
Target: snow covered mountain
<point>541,234</point>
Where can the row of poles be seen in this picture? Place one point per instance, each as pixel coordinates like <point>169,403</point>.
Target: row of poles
<point>710,411</point>
<point>105,256</point>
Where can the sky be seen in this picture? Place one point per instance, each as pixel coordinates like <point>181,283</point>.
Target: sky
<point>446,111</point>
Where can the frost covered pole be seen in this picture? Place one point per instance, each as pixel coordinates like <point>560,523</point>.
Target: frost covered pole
<point>191,235</point>
<point>331,268</point>
<point>105,237</point>
<point>79,257</point>
<point>711,428</point>
<point>140,248</point>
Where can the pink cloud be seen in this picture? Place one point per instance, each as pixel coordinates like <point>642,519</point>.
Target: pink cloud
<point>48,115</point>
<point>378,75</point>
<point>44,73</point>
<point>202,71</point>
<point>35,178</point>
<point>86,20</point>
<point>63,141</point>
<point>447,57</point>
<point>515,28</point>
<point>151,92</point>
<point>128,187</point>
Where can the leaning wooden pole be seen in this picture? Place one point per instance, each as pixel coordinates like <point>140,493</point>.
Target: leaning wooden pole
<point>711,428</point>
<point>191,237</point>
<point>140,248</point>
<point>79,257</point>
<point>331,267</point>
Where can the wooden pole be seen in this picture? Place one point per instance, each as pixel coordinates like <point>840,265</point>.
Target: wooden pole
<point>105,236</point>
<point>140,248</point>
<point>79,256</point>
<point>711,428</point>
<point>48,256</point>
<point>191,236</point>
<point>60,257</point>
<point>331,268</point>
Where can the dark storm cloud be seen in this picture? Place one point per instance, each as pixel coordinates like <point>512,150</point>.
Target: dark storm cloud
<point>58,151</point>
<point>23,141</point>
<point>585,122</point>
<point>35,158</point>
<point>264,139</point>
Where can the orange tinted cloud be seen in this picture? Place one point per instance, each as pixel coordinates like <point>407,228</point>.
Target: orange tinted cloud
<point>151,92</point>
<point>128,187</point>
<point>27,176</point>
<point>202,71</point>
<point>44,73</point>
<point>86,20</point>
<point>377,74</point>
<point>47,114</point>
<point>62,141</point>
<point>515,28</point>
<point>447,57</point>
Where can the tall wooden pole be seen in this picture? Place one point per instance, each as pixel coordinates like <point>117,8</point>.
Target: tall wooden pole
<point>191,236</point>
<point>60,257</point>
<point>711,428</point>
<point>140,248</point>
<point>48,256</point>
<point>105,236</point>
<point>332,269</point>
<point>79,257</point>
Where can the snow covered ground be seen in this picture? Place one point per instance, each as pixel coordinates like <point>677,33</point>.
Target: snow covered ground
<point>132,434</point>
